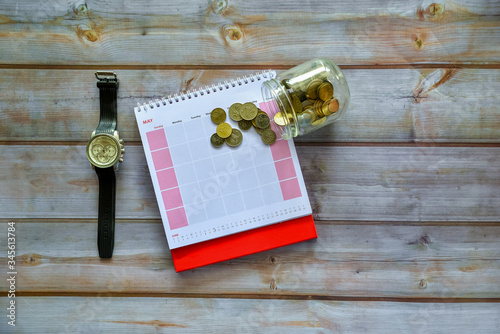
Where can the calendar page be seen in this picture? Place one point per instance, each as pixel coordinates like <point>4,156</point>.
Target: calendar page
<point>205,192</point>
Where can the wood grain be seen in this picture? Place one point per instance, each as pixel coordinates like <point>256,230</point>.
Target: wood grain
<point>412,105</point>
<point>242,33</point>
<point>366,261</point>
<point>178,315</point>
<point>344,183</point>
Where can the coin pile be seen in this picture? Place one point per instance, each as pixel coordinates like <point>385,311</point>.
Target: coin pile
<point>313,101</point>
<point>247,115</point>
<point>225,134</point>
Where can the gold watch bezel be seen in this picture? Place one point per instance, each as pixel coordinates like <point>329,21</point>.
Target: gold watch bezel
<point>110,138</point>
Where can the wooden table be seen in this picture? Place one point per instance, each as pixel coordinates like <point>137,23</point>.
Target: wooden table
<point>405,189</point>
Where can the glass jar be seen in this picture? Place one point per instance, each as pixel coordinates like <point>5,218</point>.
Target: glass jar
<point>306,98</point>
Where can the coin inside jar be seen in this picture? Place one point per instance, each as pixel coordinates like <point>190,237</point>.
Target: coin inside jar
<point>319,121</point>
<point>280,119</point>
<point>334,105</point>
<point>325,108</point>
<point>296,104</point>
<point>312,89</point>
<point>317,108</point>
<point>325,91</point>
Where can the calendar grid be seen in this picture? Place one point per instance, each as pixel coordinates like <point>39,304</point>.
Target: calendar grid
<point>193,160</point>
<point>204,121</point>
<point>286,181</point>
<point>206,192</point>
<point>255,169</point>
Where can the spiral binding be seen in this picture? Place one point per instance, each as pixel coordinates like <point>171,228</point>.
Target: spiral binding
<point>170,99</point>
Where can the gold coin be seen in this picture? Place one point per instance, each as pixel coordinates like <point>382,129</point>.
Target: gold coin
<point>235,138</point>
<point>268,137</point>
<point>296,104</point>
<point>218,115</point>
<point>258,113</point>
<point>280,119</point>
<point>312,89</point>
<point>244,124</point>
<point>325,108</point>
<point>259,131</point>
<point>334,105</point>
<point>317,108</point>
<point>234,111</point>
<point>248,111</point>
<point>224,130</point>
<point>319,121</point>
<point>325,91</point>
<point>262,121</point>
<point>216,141</point>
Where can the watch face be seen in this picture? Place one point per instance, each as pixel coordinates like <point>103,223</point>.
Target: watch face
<point>103,150</point>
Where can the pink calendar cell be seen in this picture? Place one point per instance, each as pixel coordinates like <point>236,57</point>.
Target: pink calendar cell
<point>156,139</point>
<point>167,179</point>
<point>162,159</point>
<point>285,169</point>
<point>290,189</point>
<point>171,198</point>
<point>177,218</point>
<point>280,150</point>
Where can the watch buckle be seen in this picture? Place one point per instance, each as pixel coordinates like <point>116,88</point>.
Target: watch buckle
<point>105,75</point>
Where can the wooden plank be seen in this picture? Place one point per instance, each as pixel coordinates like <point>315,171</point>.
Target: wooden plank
<point>193,315</point>
<point>386,261</point>
<point>415,184</point>
<point>398,105</point>
<point>242,32</point>
<point>344,183</point>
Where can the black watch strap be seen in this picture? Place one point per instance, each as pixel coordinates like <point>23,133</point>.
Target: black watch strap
<point>107,96</point>
<point>108,86</point>
<point>106,218</point>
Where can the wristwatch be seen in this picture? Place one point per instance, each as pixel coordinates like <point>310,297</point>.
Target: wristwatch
<point>105,151</point>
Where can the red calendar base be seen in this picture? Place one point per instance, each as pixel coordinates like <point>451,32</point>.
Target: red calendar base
<point>244,243</point>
